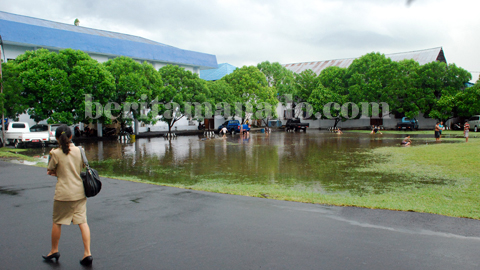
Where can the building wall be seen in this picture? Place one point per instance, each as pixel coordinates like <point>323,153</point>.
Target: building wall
<point>13,51</point>
<point>389,122</point>
<point>100,58</point>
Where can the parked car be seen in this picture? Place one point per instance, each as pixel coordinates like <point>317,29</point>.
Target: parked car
<point>474,122</point>
<point>407,123</point>
<point>296,124</point>
<point>233,126</point>
<point>18,134</point>
<point>50,129</point>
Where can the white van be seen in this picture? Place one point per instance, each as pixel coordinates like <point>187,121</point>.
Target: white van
<point>474,122</point>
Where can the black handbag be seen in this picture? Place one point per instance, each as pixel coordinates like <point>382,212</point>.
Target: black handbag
<point>90,178</point>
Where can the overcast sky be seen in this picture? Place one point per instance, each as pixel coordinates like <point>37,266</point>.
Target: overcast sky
<point>247,32</point>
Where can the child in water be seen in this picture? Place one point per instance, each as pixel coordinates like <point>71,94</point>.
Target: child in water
<point>375,129</point>
<point>406,141</point>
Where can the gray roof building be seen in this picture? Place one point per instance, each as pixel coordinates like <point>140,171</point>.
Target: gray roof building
<point>421,56</point>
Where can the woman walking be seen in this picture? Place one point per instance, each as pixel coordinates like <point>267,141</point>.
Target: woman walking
<point>70,203</point>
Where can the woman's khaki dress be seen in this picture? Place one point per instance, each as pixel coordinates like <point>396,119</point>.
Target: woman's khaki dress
<point>70,203</point>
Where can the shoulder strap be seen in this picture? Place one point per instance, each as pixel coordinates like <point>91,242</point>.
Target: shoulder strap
<point>85,161</point>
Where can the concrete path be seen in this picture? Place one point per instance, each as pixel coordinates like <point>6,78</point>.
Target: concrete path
<point>141,226</point>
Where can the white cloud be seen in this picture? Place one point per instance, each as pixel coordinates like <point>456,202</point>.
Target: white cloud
<point>246,32</point>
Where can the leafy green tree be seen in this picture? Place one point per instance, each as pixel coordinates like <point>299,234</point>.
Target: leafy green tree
<point>222,97</point>
<point>468,101</point>
<point>334,78</point>
<point>266,108</point>
<point>405,97</point>
<point>431,82</point>
<point>292,89</point>
<point>279,77</point>
<point>12,102</point>
<point>445,83</point>
<point>305,83</point>
<point>375,78</point>
<point>332,89</point>
<point>251,92</point>
<point>55,84</point>
<point>137,90</point>
<point>370,79</point>
<point>182,89</point>
<point>326,104</point>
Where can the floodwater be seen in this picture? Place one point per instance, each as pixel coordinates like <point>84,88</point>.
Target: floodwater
<point>317,161</point>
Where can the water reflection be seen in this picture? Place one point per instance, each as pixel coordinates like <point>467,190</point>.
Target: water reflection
<point>316,160</point>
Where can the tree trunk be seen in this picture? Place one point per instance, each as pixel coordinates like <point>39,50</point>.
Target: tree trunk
<point>336,122</point>
<point>170,125</point>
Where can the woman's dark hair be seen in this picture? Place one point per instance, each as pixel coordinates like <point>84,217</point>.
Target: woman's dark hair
<point>63,134</point>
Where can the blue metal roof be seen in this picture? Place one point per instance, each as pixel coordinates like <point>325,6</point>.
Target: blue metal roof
<point>217,74</point>
<point>22,30</point>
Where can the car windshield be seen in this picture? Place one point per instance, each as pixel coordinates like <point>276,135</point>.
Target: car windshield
<point>53,128</point>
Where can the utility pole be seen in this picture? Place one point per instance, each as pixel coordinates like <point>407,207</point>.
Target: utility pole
<point>1,92</point>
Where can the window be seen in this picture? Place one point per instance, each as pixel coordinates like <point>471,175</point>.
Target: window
<point>17,125</point>
<point>474,118</point>
<point>38,128</point>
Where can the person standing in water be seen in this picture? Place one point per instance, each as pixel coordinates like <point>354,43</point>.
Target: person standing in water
<point>466,129</point>
<point>437,132</point>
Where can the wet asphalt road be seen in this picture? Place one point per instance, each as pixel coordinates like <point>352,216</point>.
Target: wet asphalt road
<point>141,226</point>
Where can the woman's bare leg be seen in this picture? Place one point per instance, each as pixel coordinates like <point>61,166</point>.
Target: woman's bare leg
<point>86,238</point>
<point>56,233</point>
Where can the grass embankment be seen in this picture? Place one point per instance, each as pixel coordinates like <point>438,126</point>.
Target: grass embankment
<point>417,132</point>
<point>14,154</point>
<point>454,164</point>
<point>451,170</point>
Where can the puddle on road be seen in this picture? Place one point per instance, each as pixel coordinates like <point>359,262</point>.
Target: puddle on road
<point>317,161</point>
<point>6,191</point>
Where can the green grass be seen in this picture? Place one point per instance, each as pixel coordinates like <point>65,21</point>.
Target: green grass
<point>422,132</point>
<point>14,153</point>
<point>454,163</point>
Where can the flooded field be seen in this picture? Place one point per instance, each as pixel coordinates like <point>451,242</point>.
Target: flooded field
<point>319,161</point>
